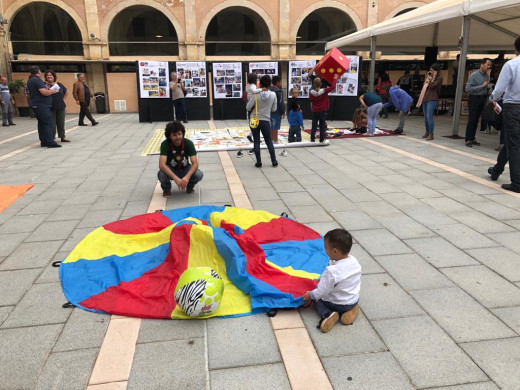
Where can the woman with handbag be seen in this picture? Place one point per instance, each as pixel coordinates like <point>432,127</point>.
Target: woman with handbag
<point>260,121</point>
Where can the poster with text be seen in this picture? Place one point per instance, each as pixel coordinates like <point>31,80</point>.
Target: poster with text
<point>264,68</point>
<point>299,77</point>
<point>227,80</point>
<point>193,74</point>
<point>348,83</point>
<point>154,79</point>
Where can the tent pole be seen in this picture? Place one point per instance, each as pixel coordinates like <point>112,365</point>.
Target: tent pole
<point>460,75</point>
<point>372,73</point>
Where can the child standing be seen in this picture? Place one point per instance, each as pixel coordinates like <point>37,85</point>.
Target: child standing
<point>279,114</point>
<point>295,118</point>
<point>373,104</point>
<point>319,98</point>
<point>337,294</point>
<point>292,99</point>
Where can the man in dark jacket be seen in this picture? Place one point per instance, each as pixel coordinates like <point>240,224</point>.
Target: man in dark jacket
<point>279,114</point>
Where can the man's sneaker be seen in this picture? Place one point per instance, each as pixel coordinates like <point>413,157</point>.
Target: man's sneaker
<point>258,165</point>
<point>349,317</point>
<point>325,142</point>
<point>474,142</point>
<point>240,154</point>
<point>494,175</point>
<point>327,323</point>
<point>190,190</point>
<point>251,151</point>
<point>284,153</point>
<point>511,187</point>
<point>250,138</point>
<point>167,193</point>
<point>469,144</point>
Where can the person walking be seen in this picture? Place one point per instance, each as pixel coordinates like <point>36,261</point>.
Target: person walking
<point>477,89</point>
<point>82,95</point>
<point>40,101</point>
<point>58,105</point>
<point>7,102</point>
<point>508,88</point>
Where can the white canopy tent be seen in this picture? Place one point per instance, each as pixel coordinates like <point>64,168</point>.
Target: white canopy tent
<point>476,25</point>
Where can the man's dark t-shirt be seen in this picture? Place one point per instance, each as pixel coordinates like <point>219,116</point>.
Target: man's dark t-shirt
<point>35,97</point>
<point>171,160</point>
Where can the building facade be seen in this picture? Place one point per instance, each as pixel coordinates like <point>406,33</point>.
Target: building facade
<point>102,37</point>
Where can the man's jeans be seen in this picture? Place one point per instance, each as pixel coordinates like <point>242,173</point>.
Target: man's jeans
<point>166,182</point>
<point>44,116</point>
<point>180,109</point>
<point>7,113</point>
<point>318,117</point>
<point>429,109</point>
<point>476,104</point>
<point>511,127</point>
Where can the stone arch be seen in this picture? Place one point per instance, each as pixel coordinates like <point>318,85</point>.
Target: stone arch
<point>18,5</point>
<point>109,17</point>
<point>402,7</point>
<point>238,3</point>
<point>324,4</point>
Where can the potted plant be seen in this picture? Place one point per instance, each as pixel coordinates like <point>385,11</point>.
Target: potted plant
<point>16,88</point>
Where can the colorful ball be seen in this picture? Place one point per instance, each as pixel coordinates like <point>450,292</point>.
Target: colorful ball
<point>199,291</point>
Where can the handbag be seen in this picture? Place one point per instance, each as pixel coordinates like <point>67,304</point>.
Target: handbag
<point>253,120</point>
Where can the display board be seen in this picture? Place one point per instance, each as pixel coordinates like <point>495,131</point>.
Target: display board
<point>154,79</point>
<point>264,68</point>
<point>347,85</point>
<point>227,80</point>
<point>194,76</point>
<point>299,76</point>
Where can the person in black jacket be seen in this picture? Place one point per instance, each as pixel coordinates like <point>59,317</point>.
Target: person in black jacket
<point>279,114</point>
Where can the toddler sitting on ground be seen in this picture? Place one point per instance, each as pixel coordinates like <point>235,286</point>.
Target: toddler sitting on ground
<point>360,121</point>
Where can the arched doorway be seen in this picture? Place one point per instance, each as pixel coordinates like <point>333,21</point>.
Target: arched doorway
<point>45,29</point>
<point>320,27</point>
<point>142,30</point>
<point>404,11</point>
<point>237,31</point>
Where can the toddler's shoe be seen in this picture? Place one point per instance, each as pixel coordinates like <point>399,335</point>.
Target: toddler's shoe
<point>240,154</point>
<point>284,153</point>
<point>349,317</point>
<point>328,322</point>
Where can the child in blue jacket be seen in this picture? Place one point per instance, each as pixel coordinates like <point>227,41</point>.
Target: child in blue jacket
<point>295,118</point>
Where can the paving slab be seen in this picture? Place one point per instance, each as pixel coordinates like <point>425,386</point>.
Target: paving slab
<point>83,330</point>
<point>463,318</point>
<point>464,237</point>
<point>379,242</point>
<point>50,231</point>
<point>298,199</point>
<point>481,222</point>
<point>51,273</point>
<point>447,205</point>
<point>24,352</point>
<point>252,377</point>
<point>405,227</point>
<point>427,354</point>
<point>167,330</point>
<point>9,242</point>
<point>22,223</point>
<point>14,284</point>
<point>367,262</point>
<point>4,312</point>
<point>510,316</point>
<point>509,240</point>
<point>31,255</point>
<point>67,370</point>
<point>503,261</point>
<point>470,386</point>
<point>357,195</point>
<point>355,220</point>
<point>308,214</point>
<point>245,341</point>
<point>499,359</point>
<point>497,211</point>
<point>440,253</point>
<point>359,337</point>
<point>97,218</point>
<point>41,305</point>
<point>412,272</point>
<point>381,297</point>
<point>490,289</point>
<point>372,371</point>
<point>69,212</point>
<point>169,365</point>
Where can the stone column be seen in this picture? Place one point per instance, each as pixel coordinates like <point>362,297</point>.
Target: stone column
<point>373,6</point>
<point>94,48</point>
<point>284,44</point>
<point>192,39</point>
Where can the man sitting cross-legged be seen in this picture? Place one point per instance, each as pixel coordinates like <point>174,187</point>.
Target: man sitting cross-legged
<point>178,161</point>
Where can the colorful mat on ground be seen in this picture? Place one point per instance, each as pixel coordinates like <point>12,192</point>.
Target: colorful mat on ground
<point>131,267</point>
<point>348,133</point>
<point>233,138</point>
<point>9,194</point>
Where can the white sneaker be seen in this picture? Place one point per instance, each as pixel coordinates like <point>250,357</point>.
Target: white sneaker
<point>284,153</point>
<point>325,142</point>
<point>240,154</point>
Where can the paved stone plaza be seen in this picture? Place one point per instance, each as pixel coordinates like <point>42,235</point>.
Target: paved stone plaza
<point>439,244</point>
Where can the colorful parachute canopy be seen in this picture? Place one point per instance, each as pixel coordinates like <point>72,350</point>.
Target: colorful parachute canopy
<point>131,267</point>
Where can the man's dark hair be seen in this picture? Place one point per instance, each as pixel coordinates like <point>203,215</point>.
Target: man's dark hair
<point>339,239</point>
<point>173,128</point>
<point>53,74</point>
<point>34,70</point>
<point>436,67</point>
<point>484,60</point>
<point>251,78</point>
<point>276,79</point>
<point>406,72</point>
<point>517,44</point>
<point>265,81</point>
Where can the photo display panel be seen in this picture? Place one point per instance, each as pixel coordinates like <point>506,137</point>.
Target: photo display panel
<point>299,76</point>
<point>264,68</point>
<point>227,80</point>
<point>154,79</point>
<point>193,74</point>
<point>347,85</point>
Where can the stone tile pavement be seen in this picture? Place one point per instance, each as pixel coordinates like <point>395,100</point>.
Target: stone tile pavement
<point>440,250</point>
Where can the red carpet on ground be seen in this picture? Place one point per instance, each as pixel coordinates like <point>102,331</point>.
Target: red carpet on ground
<point>8,194</point>
<point>339,133</point>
